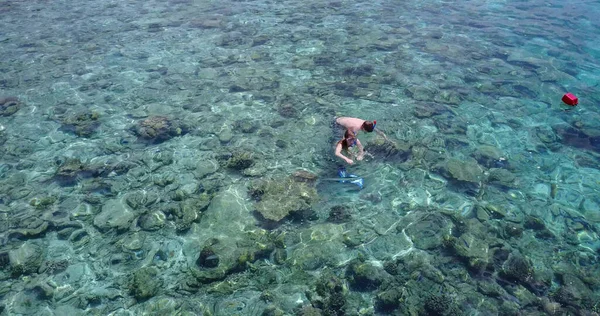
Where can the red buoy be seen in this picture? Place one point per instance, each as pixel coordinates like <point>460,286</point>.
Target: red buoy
<point>570,99</point>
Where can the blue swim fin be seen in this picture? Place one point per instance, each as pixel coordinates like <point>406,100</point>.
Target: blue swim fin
<point>342,172</point>
<point>358,181</point>
<point>354,179</point>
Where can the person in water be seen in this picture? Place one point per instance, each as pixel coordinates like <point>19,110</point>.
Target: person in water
<point>355,125</point>
<point>346,145</point>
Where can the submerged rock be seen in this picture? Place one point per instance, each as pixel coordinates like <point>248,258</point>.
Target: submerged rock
<point>239,160</point>
<point>153,220</point>
<point>141,199</point>
<point>228,232</point>
<point>246,126</point>
<point>69,171</point>
<point>449,97</point>
<point>225,135</point>
<point>54,266</point>
<point>30,227</point>
<point>256,170</point>
<point>388,300</point>
<point>440,304</point>
<point>188,211</point>
<point>467,170</point>
<point>364,276</point>
<point>388,150</point>
<point>573,291</point>
<point>304,176</point>
<point>115,214</point>
<point>546,135</point>
<point>288,110</point>
<point>425,110</point>
<point>157,129</point>
<point>207,258</point>
<point>26,259</point>
<point>144,283</point>
<point>502,177</point>
<point>221,257</point>
<point>82,124</point>
<point>518,268</point>
<point>339,214</point>
<point>330,294</point>
<point>474,251</point>
<point>278,198</point>
<point>420,93</point>
<point>308,310</point>
<point>428,233</point>
<point>9,106</point>
<point>487,155</point>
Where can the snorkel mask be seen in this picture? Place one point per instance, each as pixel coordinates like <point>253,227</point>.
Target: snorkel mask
<point>352,143</point>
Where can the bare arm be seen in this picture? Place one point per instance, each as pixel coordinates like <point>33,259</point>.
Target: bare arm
<point>361,150</point>
<point>338,152</point>
<point>379,132</point>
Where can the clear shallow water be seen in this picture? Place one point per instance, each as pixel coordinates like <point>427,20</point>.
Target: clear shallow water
<point>150,154</point>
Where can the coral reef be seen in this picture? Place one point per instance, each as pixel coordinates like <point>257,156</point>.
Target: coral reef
<point>389,300</point>
<point>363,276</point>
<point>144,283</point>
<point>502,177</point>
<point>330,298</point>
<point>390,151</point>
<point>157,129</point>
<point>156,160</point>
<point>428,232</point>
<point>488,156</point>
<point>239,160</point>
<point>518,268</point>
<point>278,198</point>
<point>467,170</point>
<point>115,214</point>
<point>471,249</point>
<point>339,214</point>
<point>26,259</point>
<point>70,171</point>
<point>246,126</point>
<point>207,258</point>
<point>53,267</point>
<point>82,124</point>
<point>439,305</point>
<point>304,176</point>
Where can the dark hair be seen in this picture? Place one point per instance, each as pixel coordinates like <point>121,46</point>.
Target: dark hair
<point>368,126</point>
<point>344,142</point>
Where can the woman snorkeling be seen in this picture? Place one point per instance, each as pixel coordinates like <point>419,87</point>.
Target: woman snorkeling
<point>347,145</point>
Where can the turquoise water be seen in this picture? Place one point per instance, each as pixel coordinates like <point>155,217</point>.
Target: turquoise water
<point>173,157</point>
